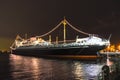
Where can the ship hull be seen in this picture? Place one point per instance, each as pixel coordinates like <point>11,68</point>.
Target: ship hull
<point>92,50</point>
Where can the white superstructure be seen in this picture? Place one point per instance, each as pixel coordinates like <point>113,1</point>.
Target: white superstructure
<point>93,40</point>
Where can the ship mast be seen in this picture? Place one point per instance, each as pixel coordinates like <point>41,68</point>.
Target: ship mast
<point>50,39</point>
<point>56,39</point>
<point>64,24</point>
<point>26,36</point>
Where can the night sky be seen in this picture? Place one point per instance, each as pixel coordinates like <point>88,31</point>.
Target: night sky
<point>35,17</point>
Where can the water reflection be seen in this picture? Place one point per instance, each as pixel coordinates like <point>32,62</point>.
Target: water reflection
<point>85,71</point>
<point>23,67</point>
<point>78,70</point>
<point>31,68</point>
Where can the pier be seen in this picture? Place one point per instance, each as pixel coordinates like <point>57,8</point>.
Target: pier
<point>109,54</point>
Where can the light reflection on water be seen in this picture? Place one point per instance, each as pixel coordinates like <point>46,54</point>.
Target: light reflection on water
<point>32,68</point>
<point>85,71</point>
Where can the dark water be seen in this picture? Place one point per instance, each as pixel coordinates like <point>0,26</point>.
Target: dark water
<point>15,67</point>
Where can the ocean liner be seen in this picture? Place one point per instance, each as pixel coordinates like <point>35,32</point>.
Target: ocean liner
<point>37,46</point>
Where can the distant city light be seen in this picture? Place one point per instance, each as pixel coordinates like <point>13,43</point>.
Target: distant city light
<point>112,48</point>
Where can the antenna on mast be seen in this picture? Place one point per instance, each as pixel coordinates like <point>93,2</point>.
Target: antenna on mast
<point>109,36</point>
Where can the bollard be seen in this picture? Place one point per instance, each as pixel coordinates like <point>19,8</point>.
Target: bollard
<point>105,72</point>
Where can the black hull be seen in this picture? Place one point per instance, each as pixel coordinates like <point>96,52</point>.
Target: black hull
<point>58,51</point>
